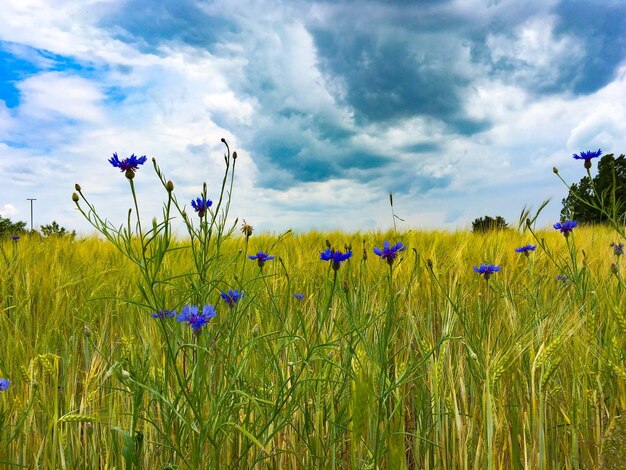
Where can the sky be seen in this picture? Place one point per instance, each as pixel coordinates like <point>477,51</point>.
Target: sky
<point>460,108</point>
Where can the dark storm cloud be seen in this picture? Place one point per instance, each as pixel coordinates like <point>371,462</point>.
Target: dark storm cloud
<point>389,79</point>
<point>601,26</point>
<point>149,24</point>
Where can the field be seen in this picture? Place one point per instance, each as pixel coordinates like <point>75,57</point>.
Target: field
<point>421,363</point>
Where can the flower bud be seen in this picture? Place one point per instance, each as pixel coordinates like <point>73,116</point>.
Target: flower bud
<point>234,155</point>
<point>169,186</point>
<point>125,374</point>
<point>77,187</point>
<point>87,332</point>
<point>555,170</point>
<point>74,197</point>
<point>614,268</point>
<point>429,263</point>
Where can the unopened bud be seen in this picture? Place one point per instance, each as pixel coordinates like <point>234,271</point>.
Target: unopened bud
<point>77,187</point>
<point>429,263</point>
<point>614,268</point>
<point>555,170</point>
<point>169,186</point>
<point>125,374</point>
<point>234,155</point>
<point>327,243</point>
<point>75,197</point>
<point>87,332</point>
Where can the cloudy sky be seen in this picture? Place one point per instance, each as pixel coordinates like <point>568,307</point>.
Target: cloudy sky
<point>461,108</point>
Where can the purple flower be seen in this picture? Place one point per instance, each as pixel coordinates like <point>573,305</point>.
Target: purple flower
<point>336,257</point>
<point>562,278</point>
<point>486,270</point>
<point>4,384</point>
<point>587,156</point>
<point>15,238</point>
<point>163,314</point>
<point>389,253</point>
<point>201,205</point>
<point>299,296</point>
<point>195,319</point>
<point>231,297</point>
<point>130,164</point>
<point>261,258</point>
<point>566,227</point>
<point>618,249</point>
<point>525,249</point>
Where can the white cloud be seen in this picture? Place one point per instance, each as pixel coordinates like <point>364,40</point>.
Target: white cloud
<point>60,93</point>
<point>8,210</point>
<point>534,54</point>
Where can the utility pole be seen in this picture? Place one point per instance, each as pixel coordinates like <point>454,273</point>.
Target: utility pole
<point>31,212</point>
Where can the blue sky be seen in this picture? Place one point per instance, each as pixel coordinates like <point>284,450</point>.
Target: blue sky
<point>461,108</point>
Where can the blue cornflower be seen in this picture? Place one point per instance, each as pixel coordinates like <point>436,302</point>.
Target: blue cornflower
<point>337,257</point>
<point>618,249</point>
<point>299,296</point>
<point>201,205</point>
<point>129,165</point>
<point>195,319</point>
<point>163,314</point>
<point>261,258</point>
<point>4,384</point>
<point>562,278</point>
<point>486,270</point>
<point>587,156</point>
<point>525,249</point>
<point>231,297</point>
<point>15,238</point>
<point>389,253</point>
<point>566,227</point>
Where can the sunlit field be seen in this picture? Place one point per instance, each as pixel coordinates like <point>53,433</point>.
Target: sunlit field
<point>407,361</point>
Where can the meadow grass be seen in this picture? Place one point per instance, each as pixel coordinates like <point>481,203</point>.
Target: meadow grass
<point>421,365</point>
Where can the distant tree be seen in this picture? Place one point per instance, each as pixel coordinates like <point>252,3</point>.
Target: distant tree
<point>610,185</point>
<point>486,223</point>
<point>54,230</point>
<point>8,228</point>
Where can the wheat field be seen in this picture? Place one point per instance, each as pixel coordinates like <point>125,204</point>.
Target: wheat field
<point>419,364</point>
